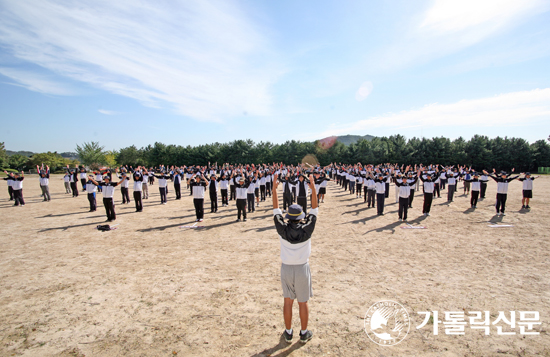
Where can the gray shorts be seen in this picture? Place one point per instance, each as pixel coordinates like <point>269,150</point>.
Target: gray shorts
<point>296,282</point>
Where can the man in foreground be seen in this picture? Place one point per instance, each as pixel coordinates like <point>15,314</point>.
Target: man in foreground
<point>295,238</point>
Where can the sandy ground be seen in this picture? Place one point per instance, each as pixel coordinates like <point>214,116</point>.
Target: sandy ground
<point>151,288</point>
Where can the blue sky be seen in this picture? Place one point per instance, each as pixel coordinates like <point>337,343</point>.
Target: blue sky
<point>193,72</point>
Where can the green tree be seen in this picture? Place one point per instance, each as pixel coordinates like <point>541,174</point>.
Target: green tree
<point>52,159</point>
<point>110,158</point>
<point>91,153</point>
<point>18,162</point>
<point>3,157</point>
<point>130,156</point>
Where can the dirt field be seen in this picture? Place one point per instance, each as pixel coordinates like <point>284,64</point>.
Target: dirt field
<point>151,288</point>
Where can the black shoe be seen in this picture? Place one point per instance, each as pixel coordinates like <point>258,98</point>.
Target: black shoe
<point>244,219</point>
<point>238,220</point>
<point>306,336</point>
<point>527,207</point>
<point>287,336</point>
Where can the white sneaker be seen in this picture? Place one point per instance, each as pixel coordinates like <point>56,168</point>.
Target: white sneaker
<point>503,214</point>
<point>427,214</point>
<point>498,214</point>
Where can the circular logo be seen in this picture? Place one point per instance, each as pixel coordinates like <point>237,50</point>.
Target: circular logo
<point>387,323</point>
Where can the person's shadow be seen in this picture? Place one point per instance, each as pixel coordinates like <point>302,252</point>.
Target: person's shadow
<point>272,352</point>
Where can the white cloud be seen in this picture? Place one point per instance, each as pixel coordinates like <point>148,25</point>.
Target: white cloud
<point>107,112</point>
<point>504,110</point>
<point>363,92</point>
<point>450,26</point>
<point>200,57</point>
<point>36,82</point>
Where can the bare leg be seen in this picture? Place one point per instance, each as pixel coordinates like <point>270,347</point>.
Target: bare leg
<point>304,314</point>
<point>287,313</point>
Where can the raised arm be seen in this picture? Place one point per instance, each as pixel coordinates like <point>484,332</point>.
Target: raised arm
<point>274,193</point>
<point>311,183</point>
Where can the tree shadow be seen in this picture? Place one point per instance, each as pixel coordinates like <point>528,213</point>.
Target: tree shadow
<point>272,352</point>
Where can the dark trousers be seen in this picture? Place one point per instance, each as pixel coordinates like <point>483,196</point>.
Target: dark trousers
<point>177,189</point>
<point>18,197</point>
<point>213,201</point>
<point>443,183</point>
<point>450,192</point>
<point>387,193</point>
<point>268,189</point>
<point>501,202</point>
<point>380,197</point>
<point>428,198</point>
<point>358,187</point>
<point>74,188</point>
<point>109,208</point>
<point>293,190</point>
<point>250,200</point>
<point>199,207</point>
<point>83,182</point>
<point>403,207</point>
<point>232,192</point>
<point>224,196</point>
<point>137,199</point>
<point>352,187</point>
<point>125,194</point>
<point>10,192</point>
<point>162,191</point>
<point>287,200</point>
<point>411,198</point>
<point>483,186</point>
<point>370,197</point>
<point>473,199</point>
<point>436,190</point>
<point>91,199</point>
<point>302,201</point>
<point>262,192</point>
<point>241,208</point>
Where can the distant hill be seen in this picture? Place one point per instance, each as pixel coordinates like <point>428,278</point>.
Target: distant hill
<point>67,155</point>
<point>347,139</point>
<point>24,153</point>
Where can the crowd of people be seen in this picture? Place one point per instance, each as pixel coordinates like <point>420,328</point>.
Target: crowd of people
<point>250,185</point>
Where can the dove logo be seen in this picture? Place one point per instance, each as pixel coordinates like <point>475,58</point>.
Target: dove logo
<point>387,323</point>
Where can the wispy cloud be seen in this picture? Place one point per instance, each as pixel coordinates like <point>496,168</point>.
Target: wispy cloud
<point>509,109</point>
<point>451,26</point>
<point>36,82</point>
<point>200,57</point>
<point>107,112</point>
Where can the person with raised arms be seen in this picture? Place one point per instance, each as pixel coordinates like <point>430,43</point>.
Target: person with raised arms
<point>45,182</point>
<point>17,187</point>
<point>108,192</point>
<point>240,183</point>
<point>10,179</point>
<point>198,186</point>
<point>502,189</point>
<point>295,241</point>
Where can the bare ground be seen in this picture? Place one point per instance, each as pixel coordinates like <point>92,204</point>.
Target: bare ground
<point>151,288</point>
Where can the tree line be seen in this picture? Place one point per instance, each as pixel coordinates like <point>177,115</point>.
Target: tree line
<point>480,152</point>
